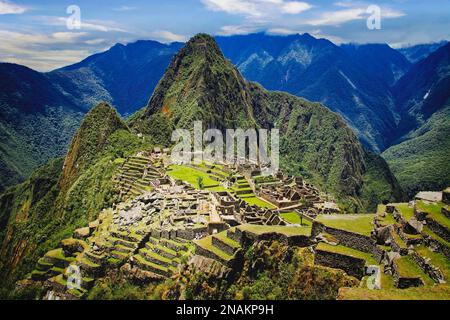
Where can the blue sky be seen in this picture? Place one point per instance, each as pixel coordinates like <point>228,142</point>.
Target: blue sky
<point>35,33</point>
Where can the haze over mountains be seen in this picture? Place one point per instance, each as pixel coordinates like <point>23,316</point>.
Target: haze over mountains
<point>363,83</point>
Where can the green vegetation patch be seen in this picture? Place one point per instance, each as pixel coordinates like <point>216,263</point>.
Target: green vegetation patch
<point>285,230</point>
<point>223,237</point>
<point>340,249</point>
<point>191,176</point>
<point>206,243</point>
<point>253,200</point>
<point>294,218</point>
<point>439,292</point>
<point>406,211</point>
<point>357,223</point>
<point>434,212</point>
<point>436,259</point>
<point>407,268</point>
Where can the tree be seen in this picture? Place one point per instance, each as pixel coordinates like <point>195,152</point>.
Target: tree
<point>200,182</point>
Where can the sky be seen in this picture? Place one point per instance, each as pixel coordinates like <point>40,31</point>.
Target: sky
<point>47,34</point>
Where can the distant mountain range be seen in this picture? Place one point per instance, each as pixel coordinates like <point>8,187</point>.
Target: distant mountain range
<point>363,83</point>
<point>421,51</point>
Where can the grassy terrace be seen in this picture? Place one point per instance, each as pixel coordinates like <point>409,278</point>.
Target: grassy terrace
<point>434,212</point>
<point>286,230</point>
<point>436,259</point>
<point>439,292</point>
<point>406,212</point>
<point>223,237</point>
<point>142,260</point>
<point>409,269</point>
<point>190,175</point>
<point>206,243</point>
<point>434,236</point>
<point>357,223</point>
<point>253,200</point>
<point>370,260</point>
<point>294,218</point>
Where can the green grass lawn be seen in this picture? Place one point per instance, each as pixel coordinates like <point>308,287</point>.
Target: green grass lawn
<point>439,292</point>
<point>408,268</point>
<point>370,260</point>
<point>405,210</point>
<point>436,259</point>
<point>357,223</point>
<point>256,201</point>
<point>191,175</point>
<point>286,230</point>
<point>294,218</point>
<point>206,243</point>
<point>388,219</point>
<point>434,212</point>
<point>434,236</point>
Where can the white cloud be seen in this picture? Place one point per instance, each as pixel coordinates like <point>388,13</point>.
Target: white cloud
<point>257,8</point>
<point>125,8</point>
<point>319,35</point>
<point>40,51</point>
<point>96,41</point>
<point>346,15</point>
<point>7,7</point>
<point>236,30</point>
<point>282,31</point>
<point>338,17</point>
<point>295,7</point>
<point>391,13</point>
<point>86,25</point>
<point>167,36</point>
<point>344,4</point>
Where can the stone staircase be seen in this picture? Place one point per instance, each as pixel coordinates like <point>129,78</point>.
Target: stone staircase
<point>242,187</point>
<point>161,254</point>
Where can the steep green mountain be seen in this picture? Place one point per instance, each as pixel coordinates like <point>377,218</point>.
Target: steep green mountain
<point>421,162</point>
<point>36,122</point>
<point>352,80</point>
<point>421,155</point>
<point>65,194</point>
<point>200,84</point>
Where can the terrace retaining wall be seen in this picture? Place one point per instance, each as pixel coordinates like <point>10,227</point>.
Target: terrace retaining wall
<point>439,229</point>
<point>349,239</point>
<point>352,266</point>
<point>428,268</point>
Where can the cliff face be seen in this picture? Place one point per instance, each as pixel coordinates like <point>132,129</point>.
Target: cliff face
<point>200,84</point>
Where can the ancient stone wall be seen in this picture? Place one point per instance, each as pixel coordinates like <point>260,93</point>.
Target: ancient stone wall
<point>352,266</point>
<point>349,239</point>
<point>437,228</point>
<point>428,268</point>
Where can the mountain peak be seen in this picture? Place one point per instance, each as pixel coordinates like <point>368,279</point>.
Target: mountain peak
<point>200,84</point>
<point>98,125</point>
<point>202,44</point>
